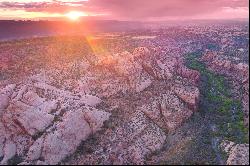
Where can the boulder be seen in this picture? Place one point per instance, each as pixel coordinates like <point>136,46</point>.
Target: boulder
<point>64,140</point>
<point>76,127</point>
<point>32,99</point>
<point>35,150</point>
<point>5,96</point>
<point>9,152</point>
<point>90,100</point>
<point>8,90</point>
<point>48,106</point>
<point>95,118</point>
<point>30,118</point>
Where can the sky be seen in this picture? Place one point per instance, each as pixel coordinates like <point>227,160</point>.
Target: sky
<point>147,10</point>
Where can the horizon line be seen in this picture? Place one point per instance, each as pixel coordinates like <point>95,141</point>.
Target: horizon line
<point>96,19</point>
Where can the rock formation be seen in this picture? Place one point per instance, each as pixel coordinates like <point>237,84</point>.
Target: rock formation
<point>238,154</point>
<point>45,118</point>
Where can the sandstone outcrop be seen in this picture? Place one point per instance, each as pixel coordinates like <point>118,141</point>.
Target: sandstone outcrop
<point>238,154</point>
<point>45,118</point>
<point>28,117</point>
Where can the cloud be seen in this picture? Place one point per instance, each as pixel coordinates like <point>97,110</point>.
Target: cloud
<point>136,9</point>
<point>164,8</point>
<point>49,6</point>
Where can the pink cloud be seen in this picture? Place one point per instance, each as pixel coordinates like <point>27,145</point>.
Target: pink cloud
<point>141,9</point>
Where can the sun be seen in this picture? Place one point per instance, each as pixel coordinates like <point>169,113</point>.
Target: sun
<point>75,15</point>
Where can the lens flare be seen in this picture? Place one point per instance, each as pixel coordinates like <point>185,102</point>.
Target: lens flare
<point>75,15</point>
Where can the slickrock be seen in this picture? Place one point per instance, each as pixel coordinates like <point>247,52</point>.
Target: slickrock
<point>30,118</point>
<point>66,138</point>
<point>238,153</point>
<point>32,98</point>
<point>48,106</point>
<point>8,89</point>
<point>45,118</point>
<point>76,127</point>
<point>9,151</point>
<point>35,150</point>
<point>90,100</point>
<point>227,145</point>
<point>5,95</point>
<point>26,115</point>
<point>95,118</point>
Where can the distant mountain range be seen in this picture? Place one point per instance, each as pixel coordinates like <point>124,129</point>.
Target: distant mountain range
<point>21,29</point>
<point>11,29</point>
